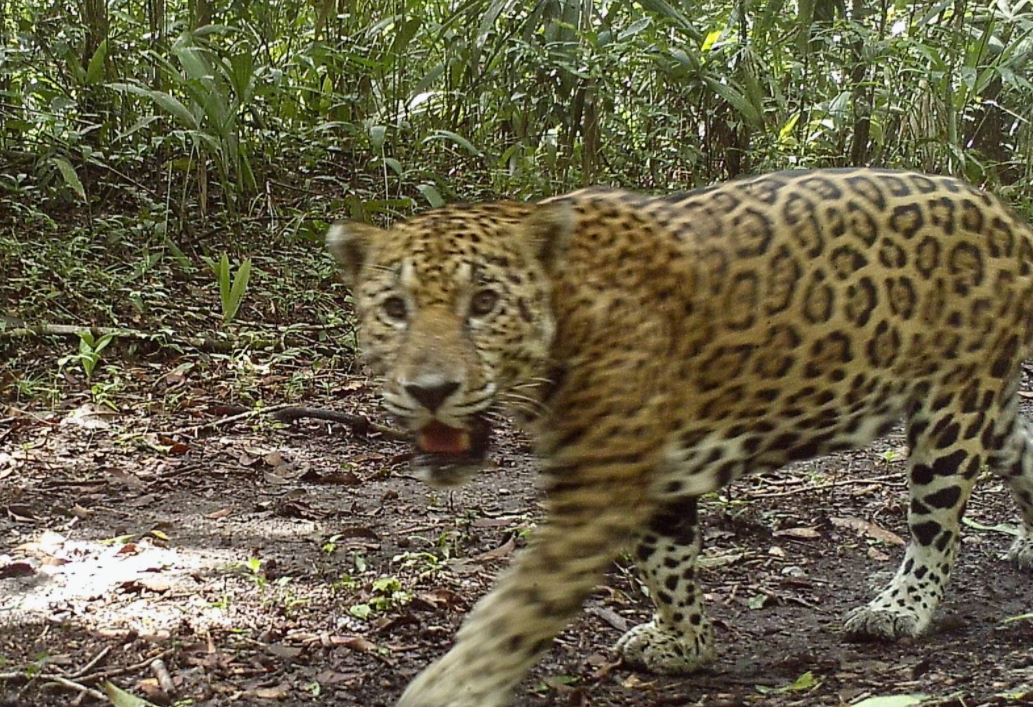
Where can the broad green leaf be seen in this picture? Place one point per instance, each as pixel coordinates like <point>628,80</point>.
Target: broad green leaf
<point>121,698</point>
<point>431,194</point>
<point>68,174</point>
<point>1005,528</point>
<point>711,39</point>
<point>240,281</point>
<point>786,132</point>
<point>95,69</point>
<point>406,32</point>
<point>377,135</point>
<point>193,61</point>
<point>140,124</point>
<point>456,138</point>
<point>173,106</point>
<point>130,88</point>
<point>737,100</point>
<point>803,683</point>
<point>892,701</point>
<point>635,28</point>
<point>668,11</point>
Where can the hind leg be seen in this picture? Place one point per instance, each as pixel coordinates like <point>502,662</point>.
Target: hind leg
<point>679,638</point>
<point>1014,463</point>
<point>947,452</point>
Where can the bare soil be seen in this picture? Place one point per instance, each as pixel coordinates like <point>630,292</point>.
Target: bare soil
<point>246,562</point>
<point>154,539</point>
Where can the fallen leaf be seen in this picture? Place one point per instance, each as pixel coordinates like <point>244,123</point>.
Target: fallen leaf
<point>803,533</point>
<point>333,677</point>
<point>356,643</point>
<point>121,698</point>
<point>19,568</point>
<point>503,550</point>
<point>219,514</point>
<point>610,616</point>
<point>277,692</point>
<point>868,528</point>
<point>286,652</point>
<point>274,459</point>
<point>89,417</point>
<point>878,556</point>
<point>711,561</point>
<point>441,597</point>
<point>892,701</point>
<point>801,684</point>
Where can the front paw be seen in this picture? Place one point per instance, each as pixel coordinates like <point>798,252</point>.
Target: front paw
<point>1021,552</point>
<point>437,686</point>
<point>661,650</point>
<point>868,623</point>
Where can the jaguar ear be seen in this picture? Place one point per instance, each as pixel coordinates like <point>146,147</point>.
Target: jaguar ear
<point>549,227</point>
<point>349,243</point>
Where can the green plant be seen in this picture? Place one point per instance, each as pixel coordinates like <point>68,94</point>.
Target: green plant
<point>232,287</point>
<point>387,593</point>
<point>88,355</point>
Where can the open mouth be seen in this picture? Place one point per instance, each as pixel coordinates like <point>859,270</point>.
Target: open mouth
<point>447,456</point>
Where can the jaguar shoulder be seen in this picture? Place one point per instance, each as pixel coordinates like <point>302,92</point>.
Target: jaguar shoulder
<point>664,346</point>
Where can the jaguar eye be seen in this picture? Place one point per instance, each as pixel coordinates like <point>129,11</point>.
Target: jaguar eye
<point>394,308</point>
<point>483,302</point>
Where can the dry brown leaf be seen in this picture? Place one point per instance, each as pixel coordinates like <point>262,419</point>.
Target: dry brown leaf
<point>868,528</point>
<point>874,554</point>
<point>285,652</point>
<point>276,692</point>
<point>802,533</point>
<point>356,643</point>
<point>504,550</point>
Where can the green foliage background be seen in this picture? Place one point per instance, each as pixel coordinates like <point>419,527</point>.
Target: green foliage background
<point>391,98</point>
<point>173,126</point>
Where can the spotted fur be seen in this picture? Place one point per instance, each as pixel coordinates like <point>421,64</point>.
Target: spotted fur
<point>662,347</point>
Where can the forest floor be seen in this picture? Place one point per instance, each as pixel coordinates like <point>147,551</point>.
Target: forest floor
<point>154,538</point>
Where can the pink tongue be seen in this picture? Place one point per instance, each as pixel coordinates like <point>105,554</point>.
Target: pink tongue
<point>437,438</point>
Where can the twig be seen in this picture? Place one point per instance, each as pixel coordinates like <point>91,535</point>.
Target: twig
<point>879,481</point>
<point>164,679</point>
<point>359,424</point>
<point>92,664</point>
<point>60,680</point>
<point>112,672</point>
<point>226,420</point>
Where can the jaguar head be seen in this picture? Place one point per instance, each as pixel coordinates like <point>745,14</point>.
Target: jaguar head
<point>455,317</point>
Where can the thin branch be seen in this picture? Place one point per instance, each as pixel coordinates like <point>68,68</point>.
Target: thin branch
<point>360,425</point>
<point>245,414</point>
<point>50,677</point>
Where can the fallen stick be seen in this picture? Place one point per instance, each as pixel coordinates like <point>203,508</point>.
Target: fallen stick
<point>359,424</point>
<point>164,679</point>
<point>289,414</point>
<point>57,679</point>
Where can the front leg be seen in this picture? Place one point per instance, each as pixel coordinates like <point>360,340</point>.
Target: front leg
<point>600,445</point>
<point>511,626</point>
<point>679,638</point>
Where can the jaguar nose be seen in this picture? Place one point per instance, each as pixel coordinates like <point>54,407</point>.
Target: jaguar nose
<point>431,394</point>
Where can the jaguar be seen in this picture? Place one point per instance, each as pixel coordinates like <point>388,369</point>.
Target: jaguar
<point>659,347</point>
